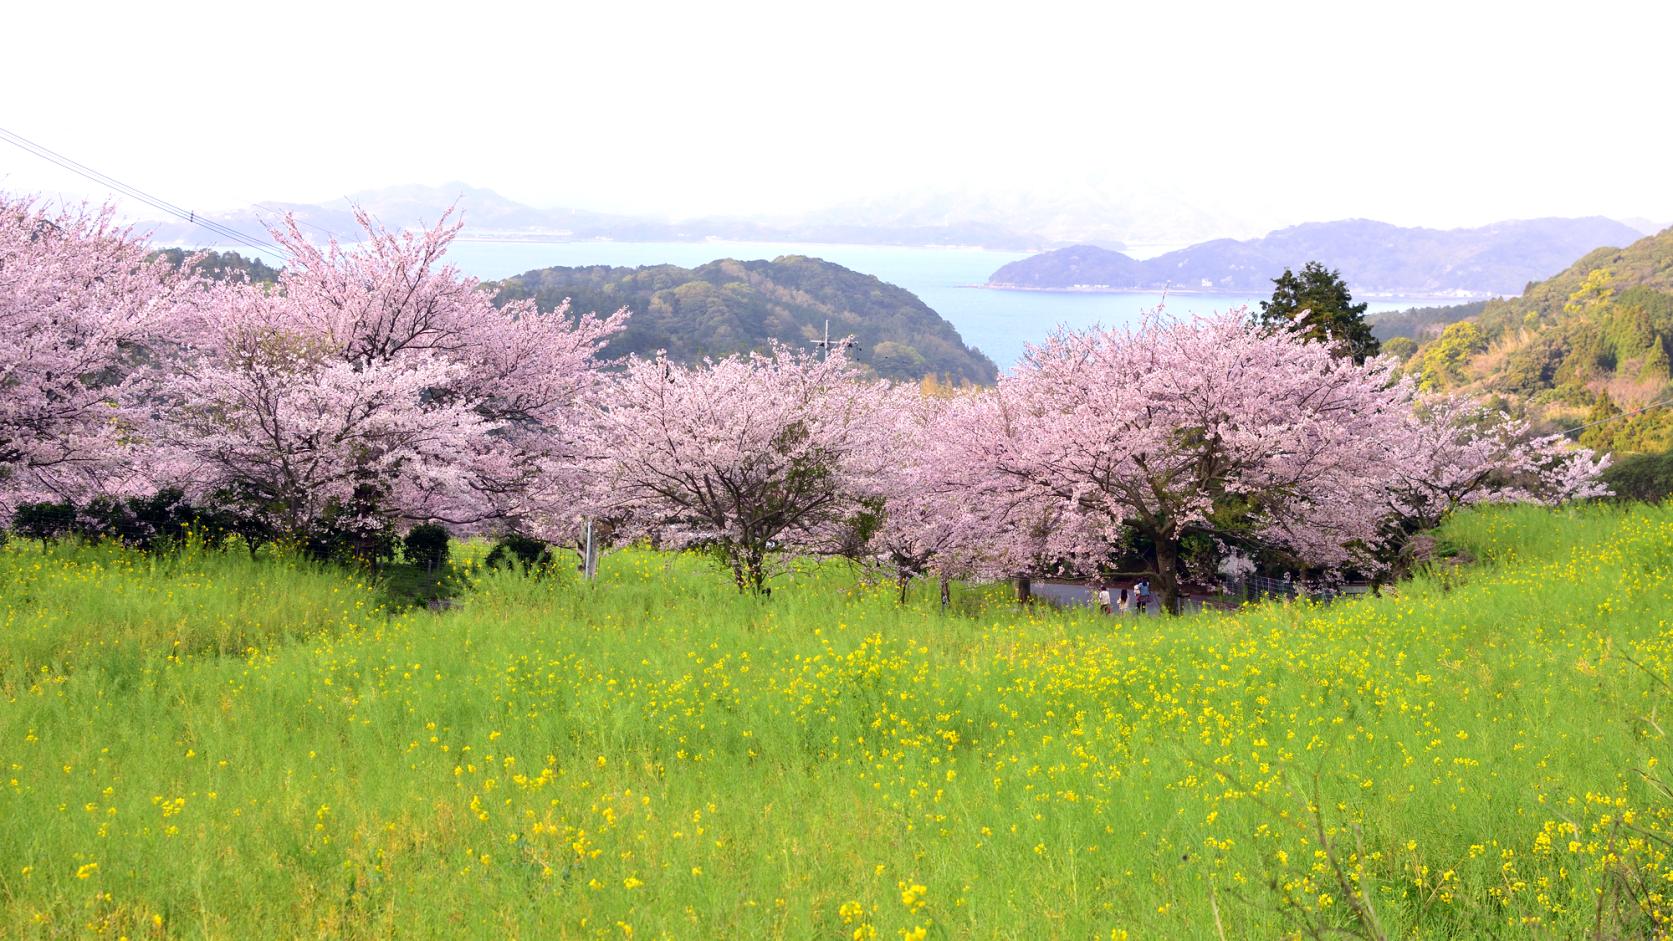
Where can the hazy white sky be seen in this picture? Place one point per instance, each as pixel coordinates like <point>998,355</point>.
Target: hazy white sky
<point>1425,113</point>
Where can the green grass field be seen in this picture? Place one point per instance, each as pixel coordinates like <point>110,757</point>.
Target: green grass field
<point>206,746</point>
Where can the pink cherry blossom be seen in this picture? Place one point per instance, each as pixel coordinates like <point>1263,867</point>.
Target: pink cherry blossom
<point>379,369</point>
<point>1461,452</point>
<point>1197,426</point>
<point>751,455</point>
<point>79,307</point>
<point>377,375</point>
<point>944,515</point>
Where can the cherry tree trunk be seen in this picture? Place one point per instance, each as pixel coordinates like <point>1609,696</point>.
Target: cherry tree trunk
<point>749,568</point>
<point>1167,574</point>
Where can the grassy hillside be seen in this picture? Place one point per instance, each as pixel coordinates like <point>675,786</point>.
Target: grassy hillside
<point>727,307</point>
<point>186,755</point>
<point>1591,342</point>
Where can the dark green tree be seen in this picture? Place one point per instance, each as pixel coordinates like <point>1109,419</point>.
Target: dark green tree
<point>426,546</point>
<point>44,521</point>
<point>1317,303</point>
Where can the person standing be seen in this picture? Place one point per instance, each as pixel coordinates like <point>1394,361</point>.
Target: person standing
<point>1126,601</point>
<point>1142,589</point>
<point>1104,599</point>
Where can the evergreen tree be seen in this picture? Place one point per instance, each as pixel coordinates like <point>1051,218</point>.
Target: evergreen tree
<point>1600,435</point>
<point>1318,304</point>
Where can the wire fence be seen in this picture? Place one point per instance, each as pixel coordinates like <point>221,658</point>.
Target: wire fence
<point>1247,588</point>
<point>1232,592</point>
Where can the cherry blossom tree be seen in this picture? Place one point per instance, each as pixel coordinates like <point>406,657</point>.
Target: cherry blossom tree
<point>79,306</point>
<point>376,378</point>
<point>1462,452</point>
<point>942,515</point>
<point>1201,426</point>
<point>750,455</point>
<point>926,527</point>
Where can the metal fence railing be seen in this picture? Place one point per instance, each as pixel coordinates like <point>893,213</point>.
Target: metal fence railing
<point>1263,587</point>
<point>1233,592</point>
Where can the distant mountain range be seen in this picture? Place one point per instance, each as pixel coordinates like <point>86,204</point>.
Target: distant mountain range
<point>1082,233</point>
<point>486,213</point>
<point>1016,222</point>
<point>729,306</point>
<point>1375,258</point>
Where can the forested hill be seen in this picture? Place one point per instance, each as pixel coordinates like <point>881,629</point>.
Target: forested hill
<point>1420,323</point>
<point>730,306</point>
<point>1374,258</point>
<point>1591,342</point>
<point>218,266</point>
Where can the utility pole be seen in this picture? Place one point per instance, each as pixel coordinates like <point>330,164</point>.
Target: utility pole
<point>589,558</point>
<point>825,343</point>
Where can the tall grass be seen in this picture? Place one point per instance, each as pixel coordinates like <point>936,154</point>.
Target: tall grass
<point>207,746</point>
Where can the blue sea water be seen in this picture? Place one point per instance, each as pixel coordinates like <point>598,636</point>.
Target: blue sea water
<point>999,323</point>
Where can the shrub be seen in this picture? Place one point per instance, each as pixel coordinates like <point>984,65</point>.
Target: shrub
<point>351,540</point>
<point>426,546</point>
<point>237,511</point>
<point>44,521</point>
<point>102,518</point>
<point>516,550</point>
<point>148,523</point>
<point>1647,477</point>
<point>162,519</point>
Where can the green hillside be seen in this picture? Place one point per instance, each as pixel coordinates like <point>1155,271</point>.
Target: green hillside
<point>1588,344</point>
<point>730,306</point>
<point>208,745</point>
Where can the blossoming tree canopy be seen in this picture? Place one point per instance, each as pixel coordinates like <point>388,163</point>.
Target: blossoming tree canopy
<point>375,383</point>
<point>378,373</point>
<point>942,514</point>
<point>78,303</point>
<point>927,525</point>
<point>1201,426</point>
<point>748,454</point>
<point>1463,452</point>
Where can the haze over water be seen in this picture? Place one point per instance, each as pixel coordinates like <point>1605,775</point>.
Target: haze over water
<point>999,323</point>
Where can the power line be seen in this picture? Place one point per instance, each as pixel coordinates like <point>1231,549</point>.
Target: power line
<point>83,170</point>
<point>185,215</point>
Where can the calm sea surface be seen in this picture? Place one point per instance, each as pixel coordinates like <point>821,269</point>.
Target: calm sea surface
<point>999,323</point>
